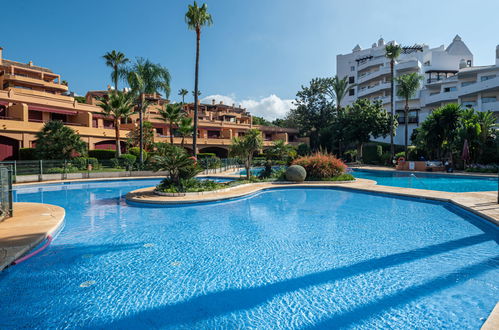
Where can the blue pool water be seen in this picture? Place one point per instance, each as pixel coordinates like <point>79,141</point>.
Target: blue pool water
<point>285,258</point>
<point>454,183</point>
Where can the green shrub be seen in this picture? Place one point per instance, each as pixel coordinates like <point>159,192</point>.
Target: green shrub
<point>115,162</point>
<point>296,173</point>
<point>210,162</point>
<point>67,169</point>
<point>136,152</point>
<point>27,154</point>
<point>303,149</point>
<point>127,161</point>
<point>206,155</point>
<point>386,158</point>
<point>371,153</point>
<point>102,154</point>
<point>83,162</point>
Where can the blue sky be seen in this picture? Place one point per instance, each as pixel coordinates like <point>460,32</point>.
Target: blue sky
<point>257,53</point>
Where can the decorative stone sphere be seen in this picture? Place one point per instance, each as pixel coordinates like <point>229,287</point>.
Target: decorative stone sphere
<point>296,173</point>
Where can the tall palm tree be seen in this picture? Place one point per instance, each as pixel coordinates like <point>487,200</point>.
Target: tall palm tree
<point>171,114</point>
<point>408,85</point>
<point>183,92</point>
<point>117,105</point>
<point>116,61</point>
<point>487,122</point>
<point>145,78</point>
<point>338,88</point>
<point>185,129</point>
<point>392,51</point>
<point>197,17</point>
<point>244,148</point>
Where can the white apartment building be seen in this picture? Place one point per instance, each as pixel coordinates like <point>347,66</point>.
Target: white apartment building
<point>449,77</point>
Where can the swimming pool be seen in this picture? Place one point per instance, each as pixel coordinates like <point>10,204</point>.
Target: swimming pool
<point>419,180</point>
<point>283,258</point>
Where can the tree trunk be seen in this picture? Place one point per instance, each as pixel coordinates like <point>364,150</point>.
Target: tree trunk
<point>248,168</point>
<point>141,133</point>
<point>171,132</point>
<point>392,107</point>
<point>182,142</point>
<point>117,131</point>
<point>359,152</point>
<point>196,77</point>
<point>116,78</point>
<point>406,131</point>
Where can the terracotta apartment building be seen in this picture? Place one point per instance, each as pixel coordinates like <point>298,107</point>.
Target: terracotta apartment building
<point>31,95</point>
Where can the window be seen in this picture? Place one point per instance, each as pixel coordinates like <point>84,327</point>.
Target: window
<point>351,80</point>
<point>351,92</point>
<point>108,124</point>
<point>58,116</point>
<point>467,83</point>
<point>352,68</point>
<point>468,62</point>
<point>427,63</point>
<point>489,99</point>
<point>484,78</point>
<point>159,130</point>
<point>450,89</point>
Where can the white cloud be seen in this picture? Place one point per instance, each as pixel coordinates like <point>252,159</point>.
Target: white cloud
<point>270,107</point>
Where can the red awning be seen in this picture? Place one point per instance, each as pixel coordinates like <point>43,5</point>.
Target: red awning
<point>98,115</point>
<point>4,103</point>
<point>52,110</point>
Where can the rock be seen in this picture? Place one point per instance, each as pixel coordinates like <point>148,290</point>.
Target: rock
<point>296,173</point>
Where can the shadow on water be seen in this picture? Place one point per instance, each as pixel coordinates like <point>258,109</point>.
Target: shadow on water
<point>219,303</point>
<point>405,296</point>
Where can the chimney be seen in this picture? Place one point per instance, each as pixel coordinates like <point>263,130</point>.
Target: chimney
<point>221,102</point>
<point>497,55</point>
<point>213,102</point>
<point>30,63</point>
<point>1,55</point>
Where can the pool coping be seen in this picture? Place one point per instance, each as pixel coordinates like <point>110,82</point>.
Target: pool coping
<point>392,169</point>
<point>31,225</point>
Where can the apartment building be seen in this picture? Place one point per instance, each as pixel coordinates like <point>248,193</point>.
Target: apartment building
<point>449,77</point>
<point>31,95</point>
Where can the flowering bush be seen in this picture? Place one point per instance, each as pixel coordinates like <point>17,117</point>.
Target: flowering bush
<point>321,166</point>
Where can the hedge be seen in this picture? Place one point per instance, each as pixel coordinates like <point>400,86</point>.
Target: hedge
<point>102,154</point>
<point>27,154</point>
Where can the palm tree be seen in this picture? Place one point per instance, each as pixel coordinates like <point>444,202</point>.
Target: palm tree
<point>185,128</point>
<point>338,90</point>
<point>171,114</point>
<point>392,51</point>
<point>117,105</point>
<point>183,92</point>
<point>408,85</point>
<point>145,78</point>
<point>245,147</point>
<point>197,17</point>
<point>487,122</point>
<point>116,60</point>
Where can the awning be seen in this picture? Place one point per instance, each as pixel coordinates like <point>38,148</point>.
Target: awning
<point>52,110</point>
<point>101,116</point>
<point>4,102</point>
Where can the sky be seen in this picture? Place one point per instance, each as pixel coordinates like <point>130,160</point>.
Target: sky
<point>258,53</point>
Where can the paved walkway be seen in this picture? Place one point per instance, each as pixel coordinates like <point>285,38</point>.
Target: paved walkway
<point>30,225</point>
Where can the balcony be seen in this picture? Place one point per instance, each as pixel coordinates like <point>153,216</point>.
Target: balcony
<point>35,82</point>
<point>370,63</point>
<point>490,106</point>
<point>412,120</point>
<point>408,65</point>
<point>364,91</point>
<point>480,86</point>
<point>373,75</point>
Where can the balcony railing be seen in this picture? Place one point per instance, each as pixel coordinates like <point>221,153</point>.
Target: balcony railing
<point>412,120</point>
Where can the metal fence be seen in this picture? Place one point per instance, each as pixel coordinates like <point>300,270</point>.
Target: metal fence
<point>5,192</point>
<point>40,168</point>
